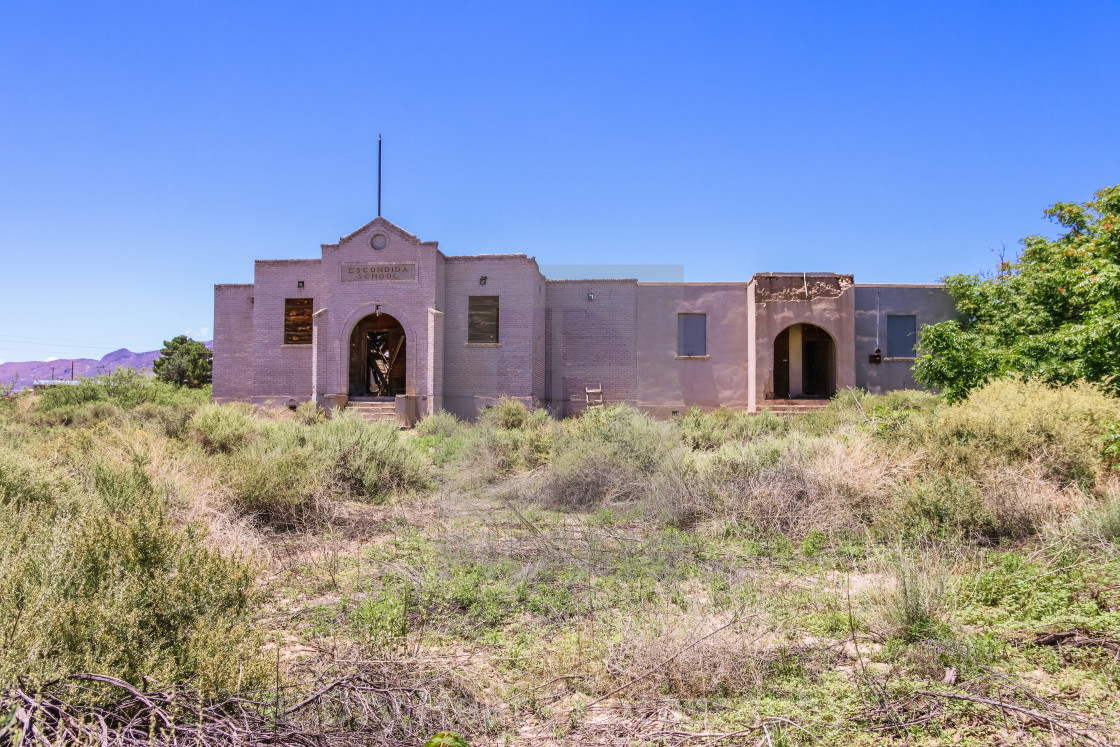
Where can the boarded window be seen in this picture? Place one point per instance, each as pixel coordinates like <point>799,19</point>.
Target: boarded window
<point>297,321</point>
<point>482,319</point>
<point>902,336</point>
<point>692,334</point>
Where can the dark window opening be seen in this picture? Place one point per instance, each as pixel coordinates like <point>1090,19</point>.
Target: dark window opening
<point>902,336</point>
<point>692,335</point>
<point>482,319</point>
<point>297,321</point>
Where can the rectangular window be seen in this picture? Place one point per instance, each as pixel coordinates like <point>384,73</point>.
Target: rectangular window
<point>482,319</point>
<point>902,336</point>
<point>297,321</point>
<point>692,335</point>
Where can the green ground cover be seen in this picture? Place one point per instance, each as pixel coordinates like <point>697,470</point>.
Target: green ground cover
<point>888,568</point>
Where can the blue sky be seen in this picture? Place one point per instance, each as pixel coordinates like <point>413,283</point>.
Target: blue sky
<point>150,150</point>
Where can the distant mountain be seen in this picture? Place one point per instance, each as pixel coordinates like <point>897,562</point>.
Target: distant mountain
<point>26,372</point>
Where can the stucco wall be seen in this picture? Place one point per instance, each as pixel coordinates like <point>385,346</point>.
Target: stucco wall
<point>590,342</point>
<point>476,375</point>
<point>668,383</point>
<point>929,303</point>
<point>233,342</point>
<point>824,299</point>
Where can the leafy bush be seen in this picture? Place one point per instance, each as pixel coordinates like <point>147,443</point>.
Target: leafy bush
<point>1065,591</point>
<point>98,579</point>
<point>184,362</point>
<point>508,437</point>
<point>1014,422</point>
<point>290,468</point>
<point>709,430</point>
<point>1050,314</point>
<point>937,505</point>
<point>124,387</point>
<point>224,428</point>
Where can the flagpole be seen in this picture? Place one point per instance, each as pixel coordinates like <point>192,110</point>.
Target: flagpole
<point>379,175</point>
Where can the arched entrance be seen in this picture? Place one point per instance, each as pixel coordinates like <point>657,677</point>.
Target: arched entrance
<point>378,359</point>
<point>804,363</point>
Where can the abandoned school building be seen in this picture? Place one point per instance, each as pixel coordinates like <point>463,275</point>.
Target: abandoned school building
<point>387,323</point>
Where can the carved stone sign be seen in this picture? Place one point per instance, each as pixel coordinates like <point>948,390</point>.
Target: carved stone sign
<point>395,272</point>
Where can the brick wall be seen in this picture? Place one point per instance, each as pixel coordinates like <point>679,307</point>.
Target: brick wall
<point>589,343</point>
<point>233,342</point>
<point>407,302</point>
<point>539,391</point>
<point>476,375</point>
<point>281,372</point>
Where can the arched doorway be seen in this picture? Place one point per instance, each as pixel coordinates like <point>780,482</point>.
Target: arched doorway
<point>377,357</point>
<point>804,363</point>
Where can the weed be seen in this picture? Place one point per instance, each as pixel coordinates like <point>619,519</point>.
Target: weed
<point>917,597</point>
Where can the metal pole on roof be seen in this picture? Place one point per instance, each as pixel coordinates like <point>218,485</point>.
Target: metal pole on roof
<point>379,175</point>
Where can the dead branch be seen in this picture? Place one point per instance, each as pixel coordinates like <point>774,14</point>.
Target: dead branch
<point>653,669</point>
<point>1003,706</point>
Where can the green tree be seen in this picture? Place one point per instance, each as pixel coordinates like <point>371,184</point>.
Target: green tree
<point>184,362</point>
<point>1052,314</point>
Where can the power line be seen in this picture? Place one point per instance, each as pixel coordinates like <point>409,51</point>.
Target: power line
<point>37,339</point>
<point>21,343</point>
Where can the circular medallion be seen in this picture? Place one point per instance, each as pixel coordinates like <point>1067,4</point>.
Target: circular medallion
<point>379,241</point>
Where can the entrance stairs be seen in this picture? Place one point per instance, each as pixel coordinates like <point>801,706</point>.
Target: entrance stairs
<point>373,410</point>
<point>792,406</point>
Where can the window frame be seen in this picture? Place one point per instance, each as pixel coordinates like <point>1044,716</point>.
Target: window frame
<point>688,351</point>
<point>912,351</point>
<point>293,319</point>
<point>474,334</point>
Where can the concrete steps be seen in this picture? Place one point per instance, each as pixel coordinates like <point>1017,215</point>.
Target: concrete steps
<point>792,406</point>
<point>373,410</point>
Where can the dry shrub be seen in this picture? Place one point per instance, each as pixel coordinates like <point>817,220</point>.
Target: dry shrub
<point>1022,501</point>
<point>441,423</point>
<point>790,485</point>
<point>610,454</point>
<point>733,661</point>
<point>710,430</point>
<point>1010,422</point>
<point>99,578</point>
<point>936,505</point>
<point>854,479</point>
<point>1098,522</point>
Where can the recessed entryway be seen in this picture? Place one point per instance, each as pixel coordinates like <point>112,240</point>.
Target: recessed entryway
<point>804,363</point>
<point>378,357</point>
